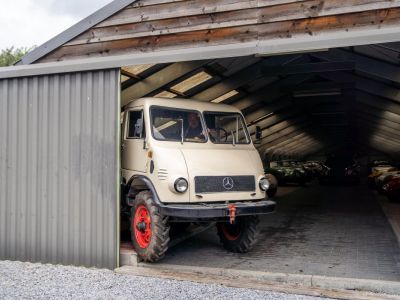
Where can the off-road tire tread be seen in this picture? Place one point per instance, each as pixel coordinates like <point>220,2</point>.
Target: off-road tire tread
<point>271,192</point>
<point>160,229</point>
<point>247,239</point>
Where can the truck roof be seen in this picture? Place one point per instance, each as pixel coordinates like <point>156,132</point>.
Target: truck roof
<point>182,104</point>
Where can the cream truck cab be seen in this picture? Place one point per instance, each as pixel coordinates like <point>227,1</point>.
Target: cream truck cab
<point>189,161</point>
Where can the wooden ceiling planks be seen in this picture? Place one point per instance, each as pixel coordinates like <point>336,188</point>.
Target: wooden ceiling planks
<point>153,25</point>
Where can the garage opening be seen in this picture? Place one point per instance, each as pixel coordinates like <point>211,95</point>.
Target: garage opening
<point>329,119</point>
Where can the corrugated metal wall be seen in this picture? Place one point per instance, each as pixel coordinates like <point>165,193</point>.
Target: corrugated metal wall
<point>58,166</point>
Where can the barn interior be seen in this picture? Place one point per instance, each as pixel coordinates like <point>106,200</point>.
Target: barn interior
<point>305,103</point>
<point>341,102</point>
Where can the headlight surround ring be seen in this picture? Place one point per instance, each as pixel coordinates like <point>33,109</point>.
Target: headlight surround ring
<point>181,185</point>
<point>264,184</point>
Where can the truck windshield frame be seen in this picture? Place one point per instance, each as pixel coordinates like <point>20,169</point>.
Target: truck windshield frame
<point>176,120</point>
<point>225,135</point>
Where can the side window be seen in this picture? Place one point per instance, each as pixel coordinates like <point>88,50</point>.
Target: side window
<point>136,129</point>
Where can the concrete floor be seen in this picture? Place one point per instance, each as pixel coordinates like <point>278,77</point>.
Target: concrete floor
<point>331,231</point>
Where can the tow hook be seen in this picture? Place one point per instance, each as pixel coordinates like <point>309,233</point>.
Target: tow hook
<point>232,213</point>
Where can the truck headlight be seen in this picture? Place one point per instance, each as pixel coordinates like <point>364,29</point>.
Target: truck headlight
<point>264,184</point>
<point>181,185</point>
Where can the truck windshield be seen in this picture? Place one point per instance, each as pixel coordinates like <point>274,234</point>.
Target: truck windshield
<point>171,124</point>
<point>226,128</point>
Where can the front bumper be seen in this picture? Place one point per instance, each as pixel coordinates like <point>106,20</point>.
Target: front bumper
<point>216,210</point>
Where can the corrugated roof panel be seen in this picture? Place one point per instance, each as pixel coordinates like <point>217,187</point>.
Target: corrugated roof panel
<point>191,82</point>
<point>137,70</point>
<point>225,96</point>
<point>124,78</point>
<point>166,94</point>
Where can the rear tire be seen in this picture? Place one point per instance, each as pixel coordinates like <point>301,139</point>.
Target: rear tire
<point>240,236</point>
<point>149,228</point>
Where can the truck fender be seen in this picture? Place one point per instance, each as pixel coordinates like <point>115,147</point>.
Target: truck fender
<point>148,184</point>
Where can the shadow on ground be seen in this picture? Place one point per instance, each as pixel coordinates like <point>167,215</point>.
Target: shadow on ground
<point>331,231</point>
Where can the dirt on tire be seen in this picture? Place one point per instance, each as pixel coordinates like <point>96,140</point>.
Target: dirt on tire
<point>244,234</point>
<point>159,240</point>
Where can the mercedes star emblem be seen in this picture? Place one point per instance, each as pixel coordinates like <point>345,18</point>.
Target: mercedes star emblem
<point>227,183</point>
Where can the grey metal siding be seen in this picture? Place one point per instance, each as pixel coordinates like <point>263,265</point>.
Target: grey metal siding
<point>58,168</point>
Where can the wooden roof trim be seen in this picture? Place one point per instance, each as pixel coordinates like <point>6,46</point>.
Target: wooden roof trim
<point>74,31</point>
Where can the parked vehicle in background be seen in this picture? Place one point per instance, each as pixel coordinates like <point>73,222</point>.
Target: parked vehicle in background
<point>377,171</point>
<point>300,165</point>
<point>190,161</point>
<point>392,189</point>
<point>273,185</point>
<point>377,163</point>
<point>381,180</point>
<point>342,170</point>
<point>316,168</point>
<point>287,172</point>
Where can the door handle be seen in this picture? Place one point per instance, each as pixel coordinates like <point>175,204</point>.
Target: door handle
<point>122,147</point>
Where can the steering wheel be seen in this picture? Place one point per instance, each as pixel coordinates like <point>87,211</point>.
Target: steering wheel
<point>218,130</point>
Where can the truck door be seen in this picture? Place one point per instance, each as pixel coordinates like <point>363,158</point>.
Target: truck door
<point>134,154</point>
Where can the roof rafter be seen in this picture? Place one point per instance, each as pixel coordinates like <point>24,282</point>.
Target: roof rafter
<point>159,79</point>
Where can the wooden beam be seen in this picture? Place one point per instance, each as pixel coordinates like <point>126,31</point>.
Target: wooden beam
<point>266,132</point>
<point>272,120</point>
<point>366,85</point>
<point>322,86</point>
<point>308,68</point>
<point>268,10</point>
<point>381,115</point>
<point>172,18</point>
<point>234,33</point>
<point>368,125</point>
<point>378,148</point>
<point>283,138</point>
<point>378,102</point>
<point>363,64</point>
<point>294,139</point>
<point>379,121</point>
<point>303,149</point>
<point>281,134</point>
<point>381,141</point>
<point>159,79</point>
<point>295,147</point>
<point>268,94</point>
<point>242,77</point>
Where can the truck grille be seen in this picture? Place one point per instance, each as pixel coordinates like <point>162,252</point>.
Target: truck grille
<point>219,184</point>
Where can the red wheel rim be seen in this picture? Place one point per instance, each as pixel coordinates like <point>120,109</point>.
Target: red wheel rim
<point>231,231</point>
<point>142,226</point>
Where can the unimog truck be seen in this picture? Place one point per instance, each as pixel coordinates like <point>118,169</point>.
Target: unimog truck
<point>186,161</point>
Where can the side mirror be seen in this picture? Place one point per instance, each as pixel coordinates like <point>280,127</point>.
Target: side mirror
<point>258,133</point>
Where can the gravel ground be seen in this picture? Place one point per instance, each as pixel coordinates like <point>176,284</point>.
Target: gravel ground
<point>27,280</point>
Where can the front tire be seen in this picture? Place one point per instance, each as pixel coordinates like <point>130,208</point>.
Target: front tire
<point>149,228</point>
<point>272,192</point>
<point>240,236</point>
